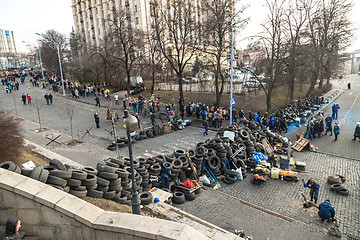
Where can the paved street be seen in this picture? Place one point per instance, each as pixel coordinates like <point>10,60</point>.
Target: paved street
<point>230,206</point>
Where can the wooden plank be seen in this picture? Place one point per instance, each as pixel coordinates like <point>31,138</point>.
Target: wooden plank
<point>269,149</point>
<point>300,144</point>
<point>161,194</point>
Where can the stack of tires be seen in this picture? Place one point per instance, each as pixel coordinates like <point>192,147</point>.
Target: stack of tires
<point>143,134</point>
<point>10,166</point>
<point>109,184</point>
<point>337,184</point>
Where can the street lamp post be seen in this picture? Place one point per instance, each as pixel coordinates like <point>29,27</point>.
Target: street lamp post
<point>41,65</point>
<point>61,74</point>
<point>130,124</point>
<point>42,70</point>
<point>113,121</point>
<point>231,68</point>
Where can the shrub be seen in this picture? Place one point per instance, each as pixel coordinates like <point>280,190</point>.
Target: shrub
<point>136,91</point>
<point>10,138</point>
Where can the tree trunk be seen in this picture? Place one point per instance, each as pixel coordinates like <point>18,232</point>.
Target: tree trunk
<point>268,100</point>
<point>153,81</point>
<point>217,92</point>
<point>181,93</point>
<point>71,130</point>
<point>291,81</point>
<point>128,83</point>
<point>314,77</point>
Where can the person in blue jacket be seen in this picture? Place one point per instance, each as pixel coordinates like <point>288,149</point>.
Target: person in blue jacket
<point>314,189</point>
<point>326,211</point>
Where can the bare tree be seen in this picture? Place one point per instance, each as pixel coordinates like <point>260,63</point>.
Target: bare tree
<point>273,42</point>
<point>10,138</point>
<point>102,56</point>
<point>51,40</point>
<point>127,42</point>
<point>177,33</point>
<point>328,32</point>
<point>154,59</point>
<point>222,18</point>
<point>70,112</point>
<point>294,31</point>
<point>38,107</point>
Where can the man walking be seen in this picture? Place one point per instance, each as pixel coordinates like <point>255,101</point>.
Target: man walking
<point>47,98</point>
<point>28,98</point>
<point>97,101</point>
<point>50,98</point>
<point>116,98</point>
<point>23,98</point>
<point>205,122</point>
<point>328,122</point>
<point>152,118</point>
<point>97,120</point>
<point>314,189</point>
<point>357,131</point>
<point>336,108</point>
<point>308,131</point>
<point>336,131</point>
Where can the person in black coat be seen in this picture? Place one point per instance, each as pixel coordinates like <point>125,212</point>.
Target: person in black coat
<point>328,122</point>
<point>97,120</point>
<point>23,98</point>
<point>336,131</point>
<point>12,229</point>
<point>357,131</point>
<point>314,189</point>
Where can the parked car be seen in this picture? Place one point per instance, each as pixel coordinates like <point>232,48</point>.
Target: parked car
<point>184,80</point>
<point>192,79</point>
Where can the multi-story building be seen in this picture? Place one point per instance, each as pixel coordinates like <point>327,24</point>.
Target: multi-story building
<point>89,15</point>
<point>7,41</point>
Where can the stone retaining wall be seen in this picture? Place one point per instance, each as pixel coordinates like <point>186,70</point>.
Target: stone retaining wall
<point>49,213</point>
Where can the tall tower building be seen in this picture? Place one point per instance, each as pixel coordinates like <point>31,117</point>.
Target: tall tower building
<point>89,15</point>
<point>7,41</point>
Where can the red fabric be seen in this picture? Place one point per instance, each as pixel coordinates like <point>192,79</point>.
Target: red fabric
<point>188,184</point>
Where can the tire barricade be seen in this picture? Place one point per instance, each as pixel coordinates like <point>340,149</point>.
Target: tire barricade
<point>150,132</point>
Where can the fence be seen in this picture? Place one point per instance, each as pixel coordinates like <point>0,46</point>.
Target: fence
<point>205,86</point>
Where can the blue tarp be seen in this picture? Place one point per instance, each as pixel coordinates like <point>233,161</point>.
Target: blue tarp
<point>258,157</point>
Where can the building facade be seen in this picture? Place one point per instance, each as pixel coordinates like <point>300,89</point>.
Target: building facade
<point>90,15</point>
<point>7,41</point>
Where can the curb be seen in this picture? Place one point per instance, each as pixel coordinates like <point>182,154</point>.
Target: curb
<point>49,154</point>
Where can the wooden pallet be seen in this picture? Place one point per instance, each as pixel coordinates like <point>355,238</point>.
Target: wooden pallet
<point>269,149</point>
<point>161,194</point>
<point>300,144</point>
<point>197,183</point>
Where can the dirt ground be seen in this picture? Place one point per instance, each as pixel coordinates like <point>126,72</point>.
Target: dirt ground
<point>254,101</point>
<point>28,155</point>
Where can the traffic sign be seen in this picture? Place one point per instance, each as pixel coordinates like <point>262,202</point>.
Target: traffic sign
<point>233,102</point>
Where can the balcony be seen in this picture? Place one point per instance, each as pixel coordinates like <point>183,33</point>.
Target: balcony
<point>91,17</point>
<point>127,3</point>
<point>81,20</point>
<point>92,27</point>
<point>94,37</point>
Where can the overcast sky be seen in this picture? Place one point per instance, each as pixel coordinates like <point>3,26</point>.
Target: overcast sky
<point>27,17</point>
